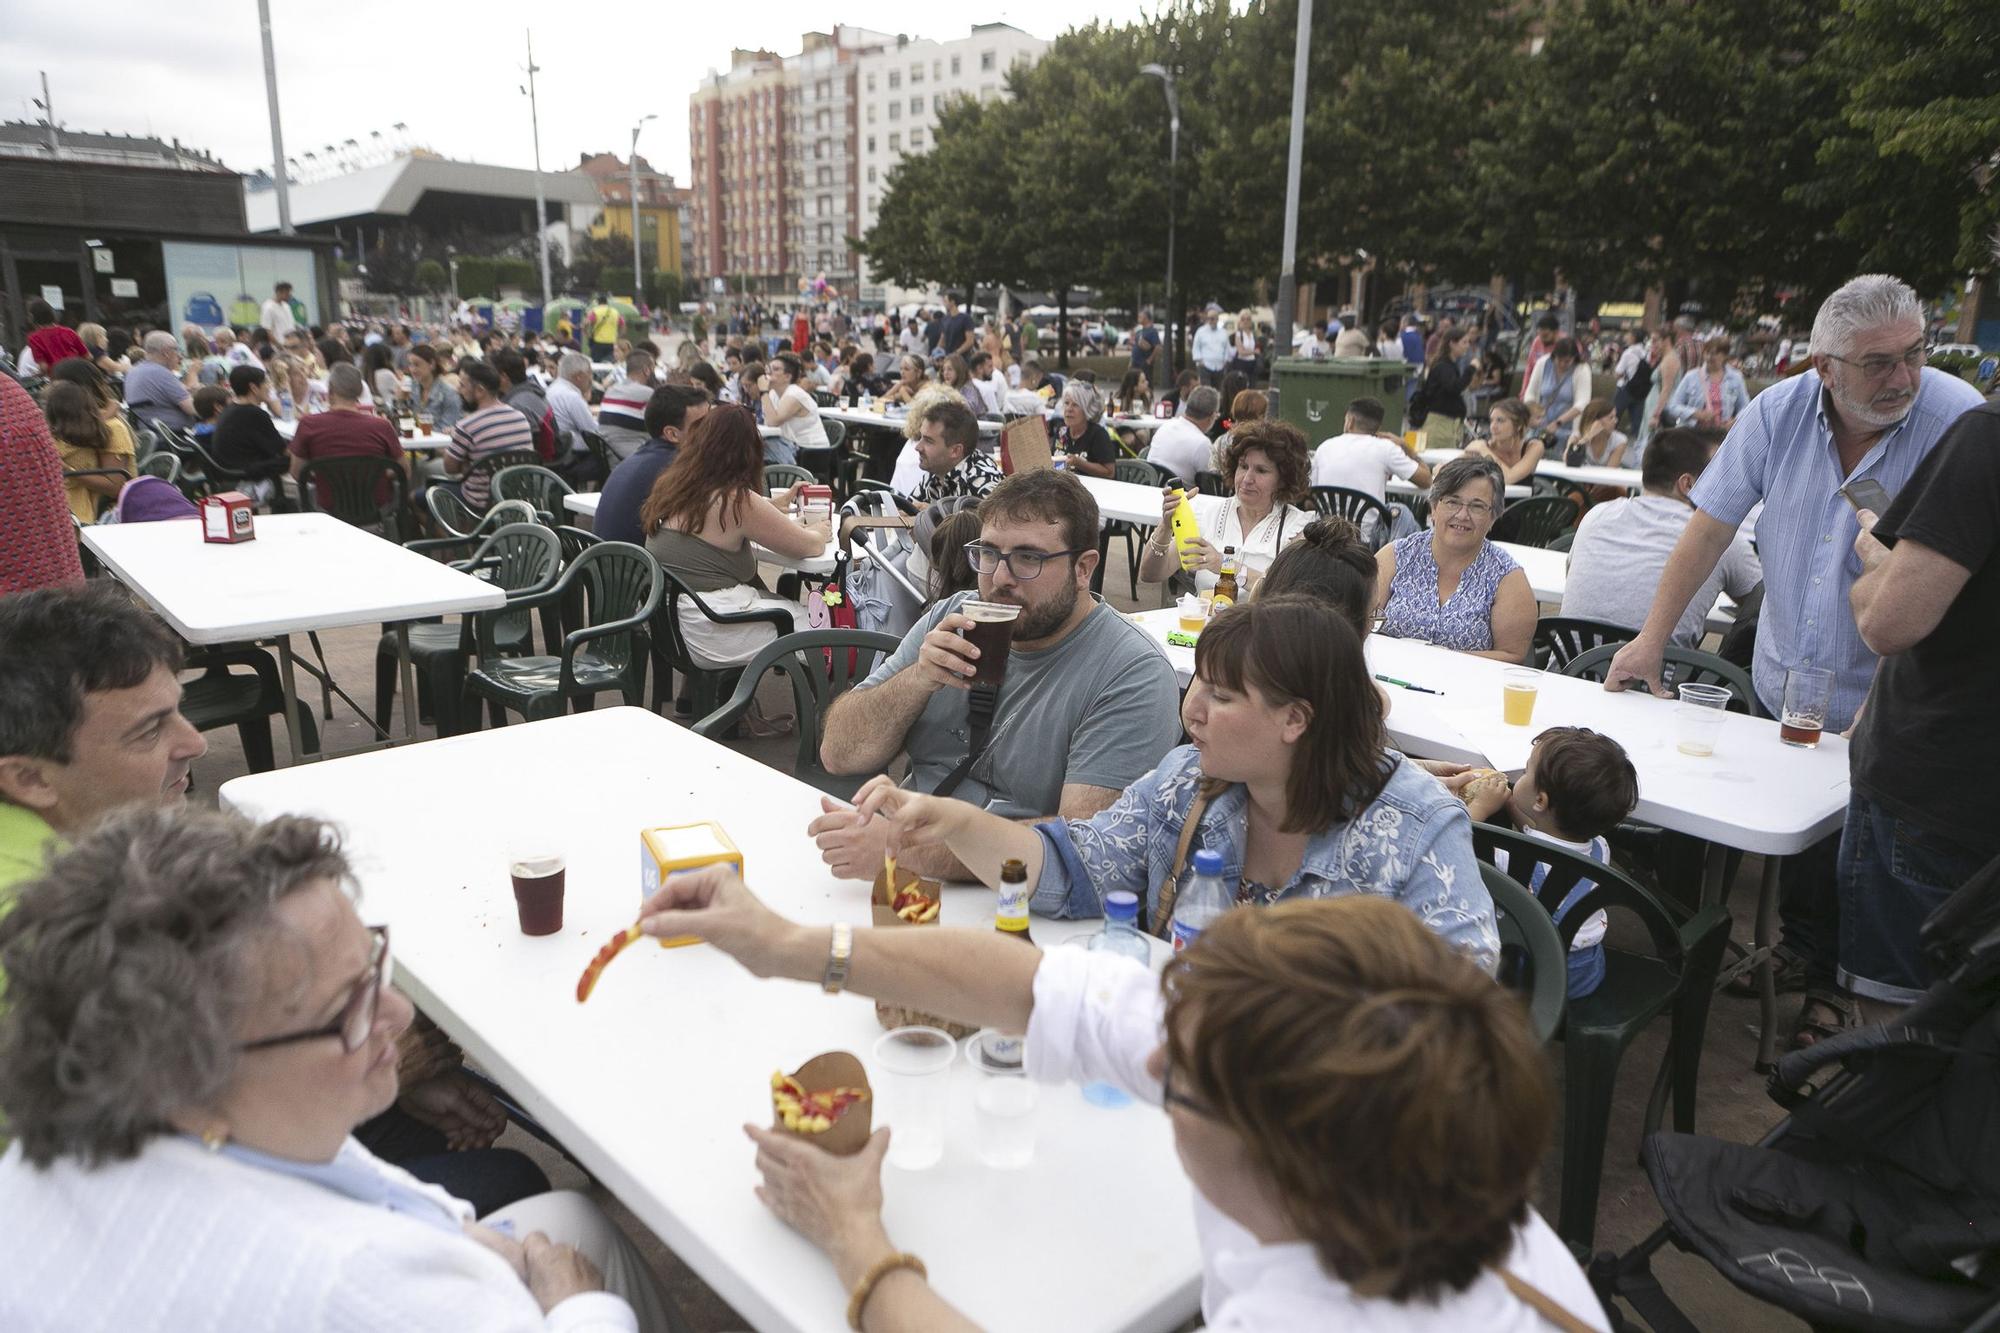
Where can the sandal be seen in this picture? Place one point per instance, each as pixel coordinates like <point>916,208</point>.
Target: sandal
<point>1824,1014</point>
<point>1788,976</point>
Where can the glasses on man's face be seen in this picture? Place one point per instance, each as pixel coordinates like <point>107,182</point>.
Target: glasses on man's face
<point>1451,504</point>
<point>1879,367</point>
<point>357,1015</point>
<point>1022,565</point>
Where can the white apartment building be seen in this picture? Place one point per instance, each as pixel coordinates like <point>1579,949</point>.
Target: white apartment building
<point>900,88</point>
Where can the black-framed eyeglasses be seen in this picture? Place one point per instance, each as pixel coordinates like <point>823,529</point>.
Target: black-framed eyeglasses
<point>357,1015</point>
<point>1023,565</point>
<point>1171,1098</point>
<point>1876,367</point>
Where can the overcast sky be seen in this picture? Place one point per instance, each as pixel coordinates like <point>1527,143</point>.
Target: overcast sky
<point>192,69</point>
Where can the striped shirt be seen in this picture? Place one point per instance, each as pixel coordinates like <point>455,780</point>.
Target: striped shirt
<point>1781,451</point>
<point>493,429</point>
<point>621,417</point>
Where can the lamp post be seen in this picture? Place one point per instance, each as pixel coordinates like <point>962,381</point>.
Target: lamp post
<point>277,132</point>
<point>541,208</point>
<point>1166,78</point>
<point>638,282</point>
<point>1287,283</point>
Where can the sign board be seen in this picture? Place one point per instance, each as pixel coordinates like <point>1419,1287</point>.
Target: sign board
<point>125,288</point>
<point>101,257</point>
<point>53,295</point>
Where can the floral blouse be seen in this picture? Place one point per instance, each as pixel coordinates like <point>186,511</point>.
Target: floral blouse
<point>1464,623</point>
<point>1412,843</point>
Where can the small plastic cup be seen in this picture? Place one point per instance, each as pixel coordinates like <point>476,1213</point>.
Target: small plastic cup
<point>912,1067</point>
<point>1518,688</point>
<point>538,866</point>
<point>1698,718</point>
<point>1003,1100</point>
<point>1193,612</point>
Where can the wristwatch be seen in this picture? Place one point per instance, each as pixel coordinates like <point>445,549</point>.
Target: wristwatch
<point>839,954</point>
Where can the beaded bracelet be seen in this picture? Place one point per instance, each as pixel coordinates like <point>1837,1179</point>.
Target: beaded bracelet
<point>866,1286</point>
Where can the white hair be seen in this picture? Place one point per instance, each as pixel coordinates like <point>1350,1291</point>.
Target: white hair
<point>159,342</point>
<point>571,364</point>
<point>1871,301</point>
<point>1087,397</point>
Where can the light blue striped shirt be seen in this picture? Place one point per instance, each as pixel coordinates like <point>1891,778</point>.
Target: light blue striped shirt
<point>1781,451</point>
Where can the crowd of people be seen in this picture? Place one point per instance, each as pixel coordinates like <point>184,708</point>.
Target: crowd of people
<point>195,1010</point>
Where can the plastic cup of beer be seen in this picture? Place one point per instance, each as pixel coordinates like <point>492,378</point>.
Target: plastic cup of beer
<point>911,1079</point>
<point>1194,613</point>
<point>1808,690</point>
<point>1518,688</point>
<point>424,422</point>
<point>1003,1100</point>
<point>538,866</point>
<point>991,632</point>
<point>1698,718</point>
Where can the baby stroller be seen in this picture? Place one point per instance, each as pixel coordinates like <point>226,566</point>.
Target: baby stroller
<point>1876,1204</point>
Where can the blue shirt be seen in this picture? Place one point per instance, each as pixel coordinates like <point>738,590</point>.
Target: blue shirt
<point>356,1172</point>
<point>1412,843</point>
<point>1781,451</point>
<point>626,489</point>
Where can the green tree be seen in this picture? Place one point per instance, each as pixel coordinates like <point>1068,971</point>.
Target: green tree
<point>431,276</point>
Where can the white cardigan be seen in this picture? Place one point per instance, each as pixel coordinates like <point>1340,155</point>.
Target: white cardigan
<point>178,1239</point>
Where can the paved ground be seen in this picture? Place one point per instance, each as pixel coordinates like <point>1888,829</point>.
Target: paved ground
<point>1732,1101</point>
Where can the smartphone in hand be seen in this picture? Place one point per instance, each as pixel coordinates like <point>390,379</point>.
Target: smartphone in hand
<point>1868,494</point>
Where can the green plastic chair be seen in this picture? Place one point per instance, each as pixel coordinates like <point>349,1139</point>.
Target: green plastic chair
<point>448,511</point>
<point>622,586</point>
<point>537,485</point>
<point>779,475</point>
<point>1369,515</point>
<point>705,680</point>
<point>1211,483</point>
<point>1560,640</point>
<point>1531,953</point>
<point>1681,666</point>
<point>494,464</point>
<point>1676,980</point>
<point>219,697</point>
<point>365,492</point>
<point>1138,472</point>
<point>522,558</point>
<point>1535,522</point>
<point>822,664</point>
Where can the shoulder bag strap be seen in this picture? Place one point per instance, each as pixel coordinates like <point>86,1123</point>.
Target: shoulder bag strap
<point>1165,895</point>
<point>1542,1303</point>
<point>979,715</point>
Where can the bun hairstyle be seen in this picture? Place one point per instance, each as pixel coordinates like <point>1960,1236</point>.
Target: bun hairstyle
<point>1331,565</point>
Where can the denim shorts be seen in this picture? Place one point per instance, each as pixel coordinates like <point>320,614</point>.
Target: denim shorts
<point>1893,874</point>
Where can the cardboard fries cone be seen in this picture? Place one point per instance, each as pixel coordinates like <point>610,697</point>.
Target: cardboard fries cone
<point>824,1073</point>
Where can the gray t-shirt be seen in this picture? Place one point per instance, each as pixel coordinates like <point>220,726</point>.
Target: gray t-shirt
<point>1620,550</point>
<point>1099,708</point>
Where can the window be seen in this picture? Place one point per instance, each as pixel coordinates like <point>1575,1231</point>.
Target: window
<point>895,79</point>
<point>916,138</point>
<point>937,69</point>
<point>824,206</point>
<point>954,67</point>
<point>871,175</point>
<point>916,106</point>
<point>871,83</point>
<point>937,102</point>
<point>871,113</point>
<point>825,177</point>
<point>986,63</point>
<point>871,143</point>
<point>871,203</point>
<point>825,234</point>
<point>895,110</point>
<point>895,143</point>
<point>917,72</point>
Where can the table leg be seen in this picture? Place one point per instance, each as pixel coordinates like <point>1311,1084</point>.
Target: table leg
<point>288,681</point>
<point>1713,890</point>
<point>409,678</point>
<point>1767,986</point>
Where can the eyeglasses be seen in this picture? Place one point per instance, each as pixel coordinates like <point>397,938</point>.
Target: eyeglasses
<point>1023,565</point>
<point>1879,367</point>
<point>1451,504</point>
<point>1171,1098</point>
<point>357,1015</point>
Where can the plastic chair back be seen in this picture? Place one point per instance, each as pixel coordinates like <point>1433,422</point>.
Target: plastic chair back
<point>452,515</point>
<point>520,558</point>
<point>1211,483</point>
<point>1559,640</point>
<point>1137,471</point>
<point>537,485</point>
<point>621,583</point>
<point>494,464</point>
<point>836,430</point>
<point>822,665</point>
<point>1532,961</point>
<point>1535,522</point>
<point>1369,515</point>
<point>366,492</point>
<point>1680,666</point>
<point>779,475</point>
<point>161,463</point>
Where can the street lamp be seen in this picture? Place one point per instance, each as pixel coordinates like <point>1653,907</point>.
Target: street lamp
<point>541,207</point>
<point>1287,278</point>
<point>1166,78</point>
<point>638,284</point>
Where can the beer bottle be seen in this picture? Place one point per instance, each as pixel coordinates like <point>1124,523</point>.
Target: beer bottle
<point>1011,918</point>
<point>1225,586</point>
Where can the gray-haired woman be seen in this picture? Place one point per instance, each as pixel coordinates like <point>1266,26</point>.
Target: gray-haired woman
<point>1450,586</point>
<point>1092,452</point>
<point>196,1019</point>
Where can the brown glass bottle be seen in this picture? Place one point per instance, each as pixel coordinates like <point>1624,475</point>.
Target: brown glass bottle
<point>1225,584</point>
<point>1011,917</point>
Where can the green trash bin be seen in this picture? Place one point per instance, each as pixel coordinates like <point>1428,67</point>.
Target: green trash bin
<point>1313,395</point>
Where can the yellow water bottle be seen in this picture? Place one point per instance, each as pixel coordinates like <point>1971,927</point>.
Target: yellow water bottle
<point>1187,531</point>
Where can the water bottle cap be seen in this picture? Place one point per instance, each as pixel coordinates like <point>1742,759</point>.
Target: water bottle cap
<point>1121,905</point>
<point>1207,862</point>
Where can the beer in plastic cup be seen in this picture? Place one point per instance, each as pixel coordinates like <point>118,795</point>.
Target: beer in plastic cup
<point>1808,690</point>
<point>1698,718</point>
<point>991,632</point>
<point>1517,696</point>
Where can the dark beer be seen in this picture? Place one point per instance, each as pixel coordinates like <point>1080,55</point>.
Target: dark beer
<point>1795,731</point>
<point>992,633</point>
<point>538,893</point>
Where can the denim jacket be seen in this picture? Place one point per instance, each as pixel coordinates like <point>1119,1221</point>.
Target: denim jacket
<point>1412,843</point>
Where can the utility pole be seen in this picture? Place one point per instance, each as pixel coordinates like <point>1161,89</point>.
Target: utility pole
<point>277,131</point>
<point>541,206</point>
<point>638,281</point>
<point>1287,282</point>
<point>48,109</point>
<point>1166,78</point>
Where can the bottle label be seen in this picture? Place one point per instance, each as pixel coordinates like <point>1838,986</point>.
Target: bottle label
<point>1012,913</point>
<point>1184,935</point>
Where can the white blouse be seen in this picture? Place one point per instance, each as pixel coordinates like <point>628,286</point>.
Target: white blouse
<point>1222,524</point>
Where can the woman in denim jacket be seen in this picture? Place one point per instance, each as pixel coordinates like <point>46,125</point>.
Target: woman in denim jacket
<point>1289,779</point>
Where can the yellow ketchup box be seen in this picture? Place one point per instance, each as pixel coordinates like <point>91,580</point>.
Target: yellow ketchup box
<point>663,851</point>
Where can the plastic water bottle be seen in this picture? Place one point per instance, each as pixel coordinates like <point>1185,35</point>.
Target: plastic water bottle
<point>1120,935</point>
<point>285,404</point>
<point>1204,899</point>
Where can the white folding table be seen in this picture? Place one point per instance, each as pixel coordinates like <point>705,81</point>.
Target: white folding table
<point>1586,474</point>
<point>854,416</point>
<point>585,503</point>
<point>649,1083</point>
<point>302,572</point>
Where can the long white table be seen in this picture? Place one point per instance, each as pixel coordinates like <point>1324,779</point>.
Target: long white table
<point>585,503</point>
<point>873,420</point>
<point>303,572</point>
<point>649,1083</point>
<point>416,444</point>
<point>1588,474</point>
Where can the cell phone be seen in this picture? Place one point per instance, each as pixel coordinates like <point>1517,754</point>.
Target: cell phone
<point>1868,494</point>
